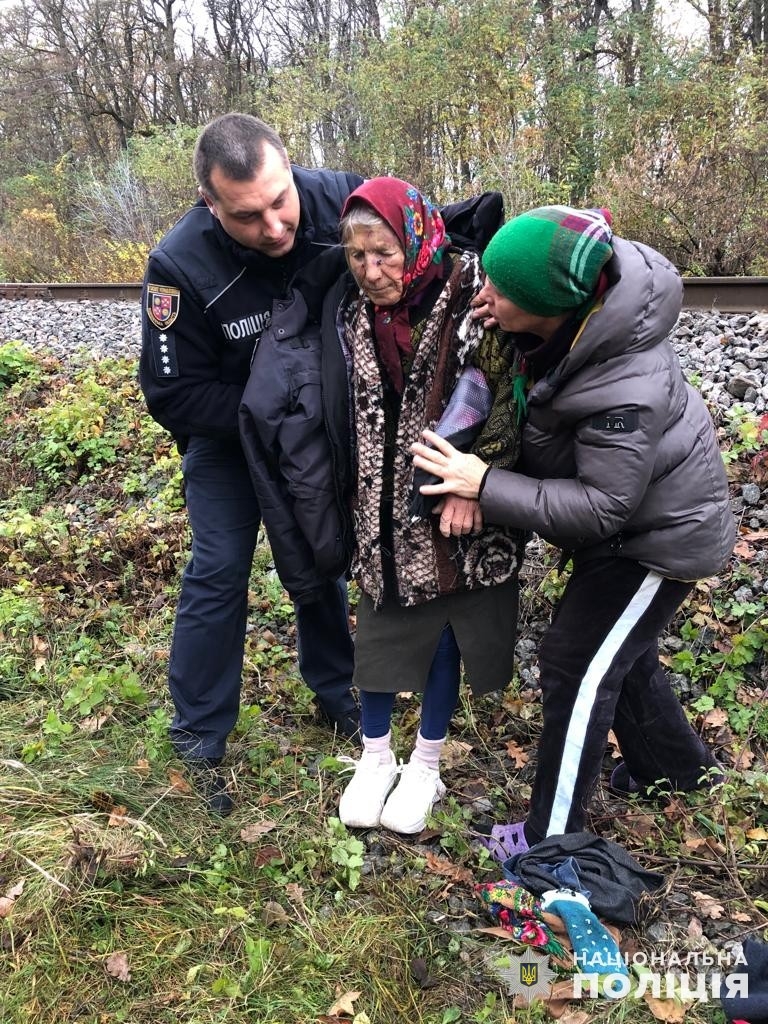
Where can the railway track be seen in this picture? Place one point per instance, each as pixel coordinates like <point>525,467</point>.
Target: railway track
<point>725,294</point>
<point>118,291</point>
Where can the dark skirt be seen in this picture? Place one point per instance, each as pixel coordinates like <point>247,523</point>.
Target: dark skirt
<point>394,646</point>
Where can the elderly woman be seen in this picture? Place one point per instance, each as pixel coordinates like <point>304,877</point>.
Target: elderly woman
<point>428,600</point>
<point>620,468</point>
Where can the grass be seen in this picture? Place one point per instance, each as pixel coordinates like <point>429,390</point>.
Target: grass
<point>122,900</point>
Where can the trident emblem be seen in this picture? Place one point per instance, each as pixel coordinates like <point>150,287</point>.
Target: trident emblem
<point>529,974</point>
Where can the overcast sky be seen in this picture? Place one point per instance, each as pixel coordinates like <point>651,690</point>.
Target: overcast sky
<point>677,15</point>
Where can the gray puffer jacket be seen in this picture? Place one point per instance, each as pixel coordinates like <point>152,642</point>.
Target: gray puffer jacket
<point>619,452</point>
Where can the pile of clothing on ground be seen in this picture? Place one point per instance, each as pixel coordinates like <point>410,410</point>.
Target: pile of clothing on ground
<point>556,896</point>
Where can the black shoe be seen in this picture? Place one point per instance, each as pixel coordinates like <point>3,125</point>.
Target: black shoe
<point>621,782</point>
<point>211,783</point>
<point>346,723</point>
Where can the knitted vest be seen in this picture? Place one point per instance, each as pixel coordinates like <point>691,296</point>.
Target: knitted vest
<point>427,565</point>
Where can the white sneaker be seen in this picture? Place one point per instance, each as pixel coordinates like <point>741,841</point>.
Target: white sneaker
<point>410,802</point>
<point>361,802</point>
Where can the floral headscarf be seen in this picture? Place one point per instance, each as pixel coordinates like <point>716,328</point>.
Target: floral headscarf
<point>420,230</point>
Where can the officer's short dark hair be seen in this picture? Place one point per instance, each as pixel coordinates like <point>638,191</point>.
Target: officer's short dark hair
<point>235,144</point>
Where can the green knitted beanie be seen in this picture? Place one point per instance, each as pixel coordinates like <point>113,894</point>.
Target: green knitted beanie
<point>548,261</point>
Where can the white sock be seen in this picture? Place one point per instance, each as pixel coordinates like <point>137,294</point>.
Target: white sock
<point>380,745</point>
<point>427,752</point>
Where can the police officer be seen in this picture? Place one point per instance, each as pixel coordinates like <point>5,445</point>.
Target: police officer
<point>208,294</point>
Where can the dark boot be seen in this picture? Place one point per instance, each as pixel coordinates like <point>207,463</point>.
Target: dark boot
<point>343,720</point>
<point>210,782</point>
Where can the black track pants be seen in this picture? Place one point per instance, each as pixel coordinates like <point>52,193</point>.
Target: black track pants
<point>599,669</point>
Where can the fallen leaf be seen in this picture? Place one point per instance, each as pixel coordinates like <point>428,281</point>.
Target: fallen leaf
<point>253,832</point>
<point>675,810</point>
<point>556,1003</point>
<point>274,913</point>
<point>265,855</point>
<point>516,754</point>
<point>7,901</point>
<point>447,869</point>
<point>96,722</point>
<point>695,843</point>
<point>759,466</point>
<point>575,1018</point>
<point>614,931</point>
<point>749,695</point>
<point>428,834</point>
<point>757,833</point>
<point>695,930</point>
<point>666,1009</point>
<point>521,707</point>
<point>754,535</point>
<point>344,1005</point>
<point>455,753</point>
<point>613,743</point>
<point>743,759</point>
<point>707,906</point>
<point>742,918</point>
<point>15,890</point>
<point>102,801</point>
<point>474,789</point>
<point>715,718</point>
<point>177,781</point>
<point>116,965</point>
<point>641,824</point>
<point>117,816</point>
<point>743,551</point>
<point>295,893</point>
<point>716,846</point>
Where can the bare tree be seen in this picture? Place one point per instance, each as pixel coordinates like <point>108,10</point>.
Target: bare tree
<point>159,24</point>
<point>241,46</point>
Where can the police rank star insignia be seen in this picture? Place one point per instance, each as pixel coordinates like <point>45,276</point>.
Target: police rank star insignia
<point>164,353</point>
<point>162,305</point>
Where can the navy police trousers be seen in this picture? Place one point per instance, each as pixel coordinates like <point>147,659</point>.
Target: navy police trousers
<point>206,660</point>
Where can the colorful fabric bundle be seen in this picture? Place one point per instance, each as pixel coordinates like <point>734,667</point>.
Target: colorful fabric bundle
<point>519,913</point>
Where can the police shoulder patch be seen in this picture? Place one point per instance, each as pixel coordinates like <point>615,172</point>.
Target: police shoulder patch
<point>164,354</point>
<point>162,304</point>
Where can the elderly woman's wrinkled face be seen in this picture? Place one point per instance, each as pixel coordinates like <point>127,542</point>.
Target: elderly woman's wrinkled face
<point>377,261</point>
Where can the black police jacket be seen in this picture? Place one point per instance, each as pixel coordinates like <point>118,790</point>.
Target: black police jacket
<point>206,301</point>
<point>295,417</point>
<point>294,429</point>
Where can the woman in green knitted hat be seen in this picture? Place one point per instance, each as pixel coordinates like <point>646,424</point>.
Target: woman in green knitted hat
<point>621,469</point>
